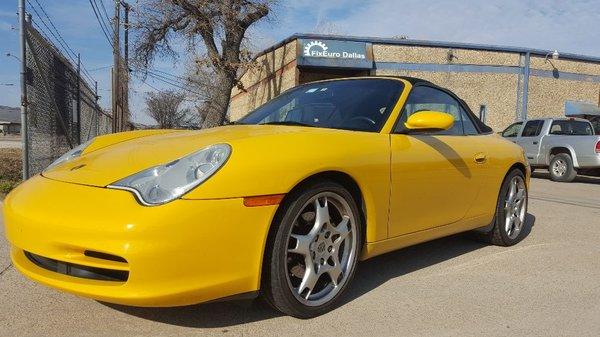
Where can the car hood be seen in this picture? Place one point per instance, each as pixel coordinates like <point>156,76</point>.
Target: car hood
<point>106,161</point>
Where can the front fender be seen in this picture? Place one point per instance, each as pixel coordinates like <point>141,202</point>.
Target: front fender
<point>275,165</point>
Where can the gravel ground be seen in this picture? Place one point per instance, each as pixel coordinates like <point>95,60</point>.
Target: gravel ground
<point>547,285</point>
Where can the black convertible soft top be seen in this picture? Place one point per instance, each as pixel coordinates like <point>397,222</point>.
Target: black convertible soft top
<point>483,128</point>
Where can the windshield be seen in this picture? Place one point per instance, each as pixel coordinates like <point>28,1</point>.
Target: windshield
<point>362,104</point>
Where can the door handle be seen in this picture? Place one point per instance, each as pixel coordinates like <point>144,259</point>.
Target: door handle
<point>480,158</point>
<point>535,143</point>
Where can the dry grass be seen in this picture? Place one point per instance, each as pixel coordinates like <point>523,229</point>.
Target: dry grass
<point>10,169</point>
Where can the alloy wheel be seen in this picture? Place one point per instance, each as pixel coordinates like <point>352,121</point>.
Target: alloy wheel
<point>559,167</point>
<point>515,207</point>
<point>321,248</point>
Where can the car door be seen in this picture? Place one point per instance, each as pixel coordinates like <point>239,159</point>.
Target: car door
<point>434,176</point>
<point>530,139</point>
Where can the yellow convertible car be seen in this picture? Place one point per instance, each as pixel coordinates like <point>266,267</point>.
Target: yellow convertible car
<point>283,203</point>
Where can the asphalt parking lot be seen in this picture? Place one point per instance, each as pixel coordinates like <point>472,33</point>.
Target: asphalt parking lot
<point>548,285</point>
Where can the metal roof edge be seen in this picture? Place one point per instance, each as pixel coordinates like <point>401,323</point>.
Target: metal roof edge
<point>428,43</point>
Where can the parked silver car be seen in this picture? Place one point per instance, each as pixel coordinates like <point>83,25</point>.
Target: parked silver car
<point>563,145</point>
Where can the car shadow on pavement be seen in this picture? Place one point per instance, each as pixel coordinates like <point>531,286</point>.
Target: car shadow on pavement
<point>578,179</point>
<point>369,275</point>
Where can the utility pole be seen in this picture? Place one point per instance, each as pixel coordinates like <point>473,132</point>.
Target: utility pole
<point>78,107</point>
<point>24,134</point>
<point>126,36</point>
<point>96,113</point>
<point>125,91</point>
<point>116,80</point>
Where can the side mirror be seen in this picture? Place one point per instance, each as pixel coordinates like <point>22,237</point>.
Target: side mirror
<point>429,121</point>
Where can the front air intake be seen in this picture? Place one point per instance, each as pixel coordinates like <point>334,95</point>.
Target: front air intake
<point>78,270</point>
<point>103,256</point>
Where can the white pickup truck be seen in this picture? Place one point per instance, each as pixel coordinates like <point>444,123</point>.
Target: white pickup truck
<point>565,146</point>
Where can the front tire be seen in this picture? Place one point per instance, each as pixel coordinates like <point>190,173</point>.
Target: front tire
<point>561,168</point>
<point>313,250</point>
<point>511,211</point>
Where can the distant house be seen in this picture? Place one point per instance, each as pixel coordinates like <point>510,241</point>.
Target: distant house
<point>10,120</point>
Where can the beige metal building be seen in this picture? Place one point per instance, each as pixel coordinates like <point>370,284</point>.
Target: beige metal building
<point>501,84</point>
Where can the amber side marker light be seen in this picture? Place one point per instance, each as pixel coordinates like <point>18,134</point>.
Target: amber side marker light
<point>263,200</point>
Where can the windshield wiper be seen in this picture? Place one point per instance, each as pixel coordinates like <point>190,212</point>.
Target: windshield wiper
<point>288,123</point>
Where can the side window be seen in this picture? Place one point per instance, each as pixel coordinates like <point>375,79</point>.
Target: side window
<point>571,128</point>
<point>468,126</point>
<point>512,130</point>
<point>532,129</point>
<point>596,125</point>
<point>428,98</point>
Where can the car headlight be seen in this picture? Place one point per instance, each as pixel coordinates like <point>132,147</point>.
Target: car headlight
<point>70,155</point>
<point>163,183</point>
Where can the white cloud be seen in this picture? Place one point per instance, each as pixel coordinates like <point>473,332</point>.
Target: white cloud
<point>8,14</point>
<point>5,26</point>
<point>570,26</point>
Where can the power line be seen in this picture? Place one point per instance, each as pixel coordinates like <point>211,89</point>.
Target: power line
<point>158,90</point>
<point>50,30</point>
<point>171,82</point>
<point>49,40</point>
<point>151,86</point>
<point>163,74</point>
<point>105,13</point>
<point>70,53</point>
<point>100,68</point>
<point>175,77</point>
<point>53,26</point>
<point>101,22</point>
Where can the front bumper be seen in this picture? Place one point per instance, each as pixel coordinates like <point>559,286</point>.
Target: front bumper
<point>183,252</point>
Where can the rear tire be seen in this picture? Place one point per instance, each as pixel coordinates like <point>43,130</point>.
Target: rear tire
<point>511,211</point>
<point>561,168</point>
<point>312,251</point>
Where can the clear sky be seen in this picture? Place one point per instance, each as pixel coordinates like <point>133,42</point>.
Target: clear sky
<point>568,26</point>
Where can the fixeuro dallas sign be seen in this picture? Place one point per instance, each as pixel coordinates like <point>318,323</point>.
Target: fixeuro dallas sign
<point>334,53</point>
<point>318,48</point>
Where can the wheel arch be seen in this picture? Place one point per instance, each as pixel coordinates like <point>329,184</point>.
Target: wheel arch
<point>342,178</point>
<point>562,149</point>
<point>517,165</point>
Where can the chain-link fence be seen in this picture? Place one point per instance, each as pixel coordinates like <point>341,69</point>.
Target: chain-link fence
<point>62,108</point>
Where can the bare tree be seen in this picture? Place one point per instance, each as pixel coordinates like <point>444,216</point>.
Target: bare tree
<point>165,107</point>
<point>215,27</point>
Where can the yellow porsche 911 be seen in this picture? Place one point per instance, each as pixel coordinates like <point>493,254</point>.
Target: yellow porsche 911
<point>283,203</point>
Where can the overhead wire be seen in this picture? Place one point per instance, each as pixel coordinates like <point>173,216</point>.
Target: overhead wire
<point>170,82</point>
<point>51,28</point>
<point>105,13</point>
<point>101,22</point>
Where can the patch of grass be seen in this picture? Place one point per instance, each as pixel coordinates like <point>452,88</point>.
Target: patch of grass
<point>10,169</point>
<point>7,185</point>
